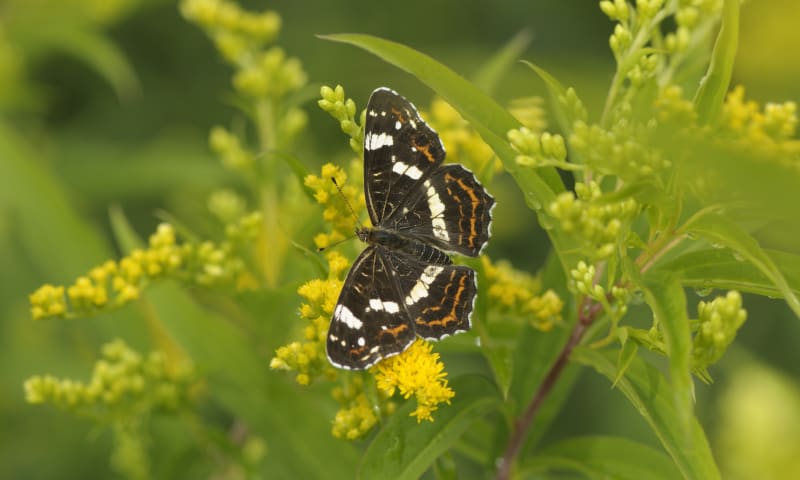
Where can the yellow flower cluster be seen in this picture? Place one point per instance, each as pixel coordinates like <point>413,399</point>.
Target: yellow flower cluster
<point>771,130</point>
<point>673,109</point>
<point>336,212</point>
<point>358,415</point>
<point>114,284</point>
<point>122,381</point>
<point>518,292</point>
<point>463,143</point>
<point>600,224</point>
<point>417,372</point>
<point>308,358</point>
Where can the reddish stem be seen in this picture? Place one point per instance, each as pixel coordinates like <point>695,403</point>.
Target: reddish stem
<point>586,316</point>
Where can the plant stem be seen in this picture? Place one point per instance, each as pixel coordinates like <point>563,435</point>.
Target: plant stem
<point>586,315</point>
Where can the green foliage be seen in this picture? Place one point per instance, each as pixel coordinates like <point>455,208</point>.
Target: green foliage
<point>671,183</point>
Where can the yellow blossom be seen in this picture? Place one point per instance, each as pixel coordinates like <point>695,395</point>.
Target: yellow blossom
<point>308,357</point>
<point>464,145</point>
<point>416,372</point>
<point>114,284</point>
<point>357,414</point>
<point>336,211</point>
<point>518,292</point>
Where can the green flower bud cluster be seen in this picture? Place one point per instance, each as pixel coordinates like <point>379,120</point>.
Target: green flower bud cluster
<point>672,109</point>
<point>644,70</point>
<point>357,416</point>
<point>718,322</point>
<point>123,382</point>
<point>229,149</point>
<point>235,31</point>
<point>227,205</point>
<point>624,150</point>
<point>264,74</point>
<point>602,225</point>
<point>687,18</point>
<point>573,105</point>
<point>343,109</point>
<point>582,280</point>
<point>270,74</point>
<point>538,150</point>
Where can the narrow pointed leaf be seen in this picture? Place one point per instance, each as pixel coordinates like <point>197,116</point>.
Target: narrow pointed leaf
<point>719,268</point>
<point>493,70</point>
<point>666,298</point>
<point>714,86</point>
<point>404,449</point>
<point>719,230</point>
<point>602,457</point>
<point>653,397</point>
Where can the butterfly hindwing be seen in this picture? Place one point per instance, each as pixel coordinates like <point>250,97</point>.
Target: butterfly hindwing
<point>369,321</point>
<point>439,298</point>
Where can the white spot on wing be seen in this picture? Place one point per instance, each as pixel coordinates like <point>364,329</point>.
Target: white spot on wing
<point>408,170</point>
<point>361,341</point>
<point>388,307</point>
<point>421,287</point>
<point>437,209</point>
<point>376,141</point>
<point>397,125</point>
<point>391,307</point>
<point>344,315</point>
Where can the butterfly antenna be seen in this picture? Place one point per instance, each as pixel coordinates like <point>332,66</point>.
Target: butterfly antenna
<point>349,207</point>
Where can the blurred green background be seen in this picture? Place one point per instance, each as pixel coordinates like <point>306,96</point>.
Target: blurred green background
<point>81,131</point>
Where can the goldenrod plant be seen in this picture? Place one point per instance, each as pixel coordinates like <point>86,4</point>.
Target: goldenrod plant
<point>669,205</point>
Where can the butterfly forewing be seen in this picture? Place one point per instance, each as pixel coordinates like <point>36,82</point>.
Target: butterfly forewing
<point>400,151</point>
<point>456,211</point>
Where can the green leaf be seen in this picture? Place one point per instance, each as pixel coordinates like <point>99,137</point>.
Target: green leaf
<point>719,268</point>
<point>653,397</point>
<point>59,243</point>
<point>714,86</point>
<point>667,299</point>
<point>601,457</point>
<point>404,449</point>
<point>626,355</point>
<point>103,56</point>
<point>718,229</point>
<point>490,73</point>
<point>556,91</point>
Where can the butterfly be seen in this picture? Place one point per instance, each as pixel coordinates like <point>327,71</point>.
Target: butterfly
<point>404,284</point>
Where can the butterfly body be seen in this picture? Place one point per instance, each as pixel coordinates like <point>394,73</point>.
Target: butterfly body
<point>404,284</point>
